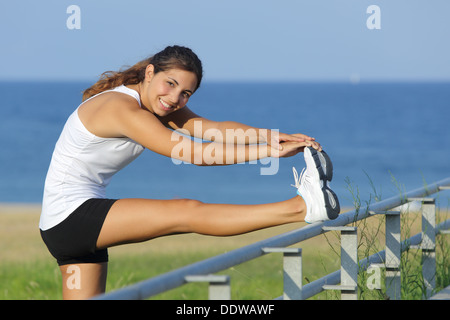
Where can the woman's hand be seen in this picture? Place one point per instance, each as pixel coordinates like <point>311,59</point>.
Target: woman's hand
<point>277,140</point>
<point>289,149</point>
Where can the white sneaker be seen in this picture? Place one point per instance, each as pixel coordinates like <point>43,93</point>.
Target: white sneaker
<point>321,202</point>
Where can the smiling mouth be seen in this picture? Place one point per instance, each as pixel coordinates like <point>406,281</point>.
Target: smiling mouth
<point>166,106</point>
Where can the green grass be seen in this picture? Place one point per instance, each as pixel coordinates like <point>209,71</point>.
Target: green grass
<point>258,279</point>
<point>27,271</point>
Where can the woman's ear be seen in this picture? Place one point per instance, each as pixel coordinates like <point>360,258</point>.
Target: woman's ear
<point>149,72</point>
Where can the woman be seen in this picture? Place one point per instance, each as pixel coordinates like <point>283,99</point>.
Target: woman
<point>125,112</point>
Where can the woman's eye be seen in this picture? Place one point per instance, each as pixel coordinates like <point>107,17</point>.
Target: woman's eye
<point>170,83</point>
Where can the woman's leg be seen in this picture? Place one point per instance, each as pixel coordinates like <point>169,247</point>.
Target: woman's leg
<point>136,220</point>
<point>84,280</point>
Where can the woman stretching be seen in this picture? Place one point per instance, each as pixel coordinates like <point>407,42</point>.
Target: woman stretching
<point>127,111</point>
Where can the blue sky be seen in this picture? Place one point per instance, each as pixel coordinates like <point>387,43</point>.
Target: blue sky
<point>237,40</point>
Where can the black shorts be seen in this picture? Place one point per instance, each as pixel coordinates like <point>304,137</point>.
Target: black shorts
<point>74,240</point>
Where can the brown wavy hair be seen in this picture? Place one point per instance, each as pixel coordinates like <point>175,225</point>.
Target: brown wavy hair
<point>172,57</point>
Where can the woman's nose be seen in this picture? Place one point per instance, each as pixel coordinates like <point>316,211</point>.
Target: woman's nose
<point>174,98</point>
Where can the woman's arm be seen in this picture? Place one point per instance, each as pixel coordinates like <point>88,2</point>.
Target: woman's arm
<point>129,120</point>
<point>230,132</point>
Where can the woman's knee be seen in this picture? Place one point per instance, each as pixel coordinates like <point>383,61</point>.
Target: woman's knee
<point>191,204</point>
<point>189,213</point>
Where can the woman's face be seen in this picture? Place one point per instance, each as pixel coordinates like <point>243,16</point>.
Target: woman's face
<point>167,91</point>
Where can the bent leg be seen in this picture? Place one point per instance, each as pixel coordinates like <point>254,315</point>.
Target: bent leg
<point>136,220</point>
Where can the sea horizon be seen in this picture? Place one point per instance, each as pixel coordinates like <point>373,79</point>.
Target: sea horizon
<point>383,137</point>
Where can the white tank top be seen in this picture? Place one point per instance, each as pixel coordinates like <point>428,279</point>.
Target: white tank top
<point>82,166</point>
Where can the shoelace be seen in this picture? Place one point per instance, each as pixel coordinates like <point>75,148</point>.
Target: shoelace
<point>298,178</point>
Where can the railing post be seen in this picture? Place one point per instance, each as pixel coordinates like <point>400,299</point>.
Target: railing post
<point>219,285</point>
<point>428,244</point>
<point>393,255</point>
<point>292,272</point>
<point>349,263</point>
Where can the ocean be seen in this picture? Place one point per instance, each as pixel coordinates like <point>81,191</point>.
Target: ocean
<point>383,138</point>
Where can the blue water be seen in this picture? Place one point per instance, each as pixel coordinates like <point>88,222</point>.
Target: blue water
<point>375,133</point>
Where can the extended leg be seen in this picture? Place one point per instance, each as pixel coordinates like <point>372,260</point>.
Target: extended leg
<point>136,220</point>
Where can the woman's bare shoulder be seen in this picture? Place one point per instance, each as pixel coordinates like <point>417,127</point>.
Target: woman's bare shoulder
<point>100,113</point>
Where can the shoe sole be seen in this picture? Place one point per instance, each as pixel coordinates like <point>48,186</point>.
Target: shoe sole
<point>323,164</point>
<point>331,203</point>
<point>324,167</point>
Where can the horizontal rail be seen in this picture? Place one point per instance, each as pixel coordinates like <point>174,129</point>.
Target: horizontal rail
<point>176,278</point>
